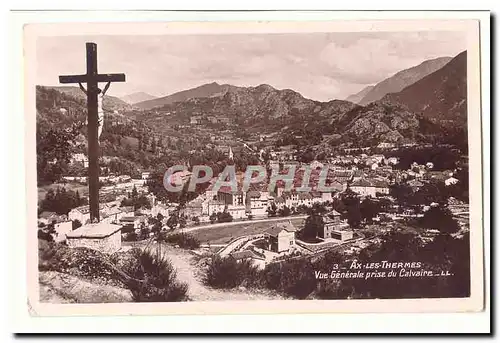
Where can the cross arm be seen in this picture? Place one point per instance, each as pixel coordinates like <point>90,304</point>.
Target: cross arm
<point>98,78</point>
<point>110,77</point>
<point>73,78</point>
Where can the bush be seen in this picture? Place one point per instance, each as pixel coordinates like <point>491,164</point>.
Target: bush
<point>184,240</point>
<point>293,277</point>
<point>224,217</point>
<point>159,279</point>
<point>131,237</point>
<point>229,273</point>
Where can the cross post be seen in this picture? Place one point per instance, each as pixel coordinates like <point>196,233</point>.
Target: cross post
<point>92,79</point>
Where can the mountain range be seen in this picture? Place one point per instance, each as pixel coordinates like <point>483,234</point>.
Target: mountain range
<point>110,103</point>
<point>356,98</point>
<point>136,97</point>
<point>397,117</point>
<point>204,91</point>
<point>422,110</point>
<point>399,81</point>
<point>440,96</point>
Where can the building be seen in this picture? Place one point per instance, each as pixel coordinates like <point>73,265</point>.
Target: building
<point>392,161</point>
<point>131,223</point>
<point>415,185</point>
<point>62,230</point>
<point>82,214</point>
<point>282,236</point>
<point>180,178</point>
<point>450,181</point>
<point>195,120</point>
<point>386,145</point>
<point>80,158</point>
<point>210,206</point>
<point>257,202</point>
<point>370,188</point>
<point>48,217</point>
<point>335,228</point>
<point>103,237</point>
<point>145,175</point>
<point>337,185</point>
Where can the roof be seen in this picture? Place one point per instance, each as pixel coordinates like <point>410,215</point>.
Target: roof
<point>276,229</point>
<point>333,213</point>
<point>369,183</point>
<point>129,219</point>
<point>280,200</point>
<point>415,183</point>
<point>97,230</point>
<point>240,255</point>
<point>47,214</point>
<point>361,183</point>
<point>253,194</point>
<point>305,196</point>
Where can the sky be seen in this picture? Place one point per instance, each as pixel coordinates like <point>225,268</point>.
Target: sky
<point>320,66</point>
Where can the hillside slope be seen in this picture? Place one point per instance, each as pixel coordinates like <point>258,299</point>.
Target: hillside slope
<point>440,97</point>
<point>110,103</point>
<point>203,91</point>
<point>137,97</point>
<point>356,98</point>
<point>403,79</point>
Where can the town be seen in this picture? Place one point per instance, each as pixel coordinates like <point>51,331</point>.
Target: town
<point>231,192</point>
<point>224,221</point>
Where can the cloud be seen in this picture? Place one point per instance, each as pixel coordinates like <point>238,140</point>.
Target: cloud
<point>321,66</point>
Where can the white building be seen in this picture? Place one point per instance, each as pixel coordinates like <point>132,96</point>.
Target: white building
<point>282,236</point>
<point>450,181</point>
<point>369,188</point>
<point>80,158</point>
<point>103,237</point>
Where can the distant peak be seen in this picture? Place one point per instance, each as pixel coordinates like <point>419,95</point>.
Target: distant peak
<point>265,86</point>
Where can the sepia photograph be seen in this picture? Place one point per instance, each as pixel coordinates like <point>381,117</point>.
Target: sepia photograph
<point>240,163</point>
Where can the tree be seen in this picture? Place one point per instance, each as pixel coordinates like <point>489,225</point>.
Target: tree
<point>224,217</point>
<point>47,233</point>
<point>353,212</point>
<point>61,201</point>
<point>137,202</point>
<point>53,152</point>
<point>440,218</point>
<point>196,220</point>
<point>284,211</point>
<point>313,226</point>
<point>369,209</point>
<point>134,192</point>
<point>173,221</point>
<point>271,210</point>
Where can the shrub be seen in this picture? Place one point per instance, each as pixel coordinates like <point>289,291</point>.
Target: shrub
<point>224,217</point>
<point>293,277</point>
<point>131,237</point>
<point>229,273</point>
<point>158,276</point>
<point>184,240</point>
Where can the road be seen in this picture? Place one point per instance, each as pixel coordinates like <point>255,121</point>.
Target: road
<point>215,225</point>
<point>190,273</point>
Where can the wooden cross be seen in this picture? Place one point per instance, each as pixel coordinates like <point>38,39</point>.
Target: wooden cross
<point>92,78</point>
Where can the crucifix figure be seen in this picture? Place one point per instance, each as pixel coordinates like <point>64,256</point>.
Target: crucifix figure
<point>94,119</point>
<point>100,111</point>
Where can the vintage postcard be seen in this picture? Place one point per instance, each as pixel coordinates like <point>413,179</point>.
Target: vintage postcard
<point>254,167</point>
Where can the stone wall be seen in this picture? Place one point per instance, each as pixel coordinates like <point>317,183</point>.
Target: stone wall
<point>107,245</point>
